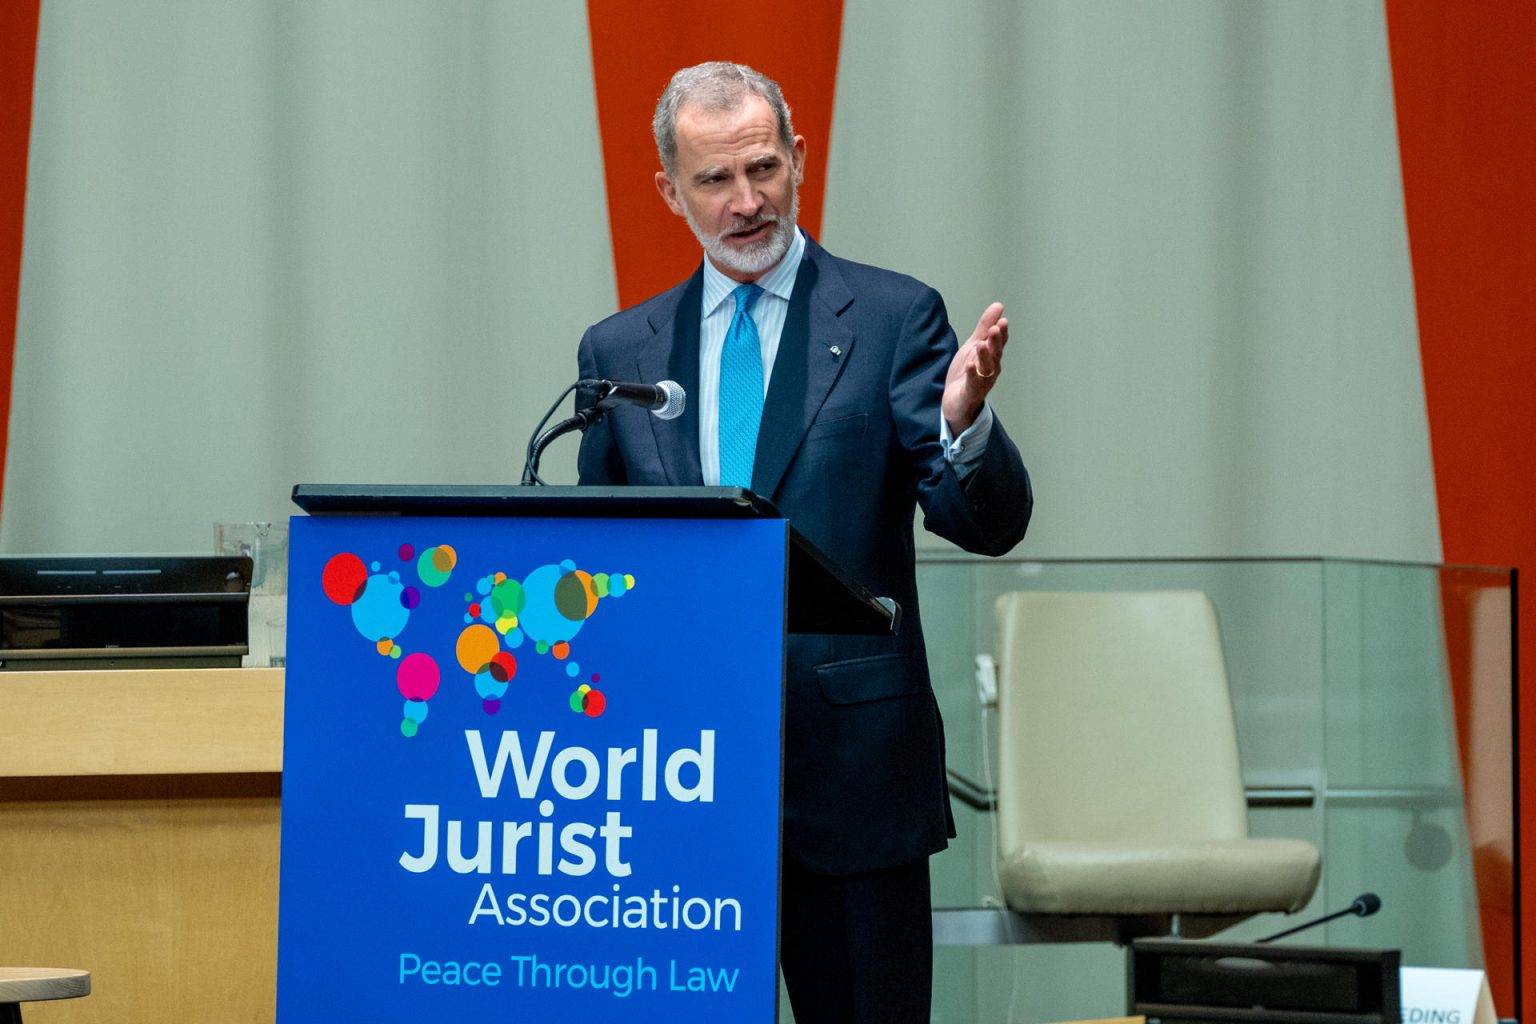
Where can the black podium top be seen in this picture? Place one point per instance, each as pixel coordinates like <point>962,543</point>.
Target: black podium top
<point>822,597</point>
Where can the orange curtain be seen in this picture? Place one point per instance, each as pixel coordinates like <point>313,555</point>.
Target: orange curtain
<point>18,51</point>
<point>1465,78</point>
<point>635,52</point>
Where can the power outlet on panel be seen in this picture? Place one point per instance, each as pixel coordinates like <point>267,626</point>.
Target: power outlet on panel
<point>986,680</point>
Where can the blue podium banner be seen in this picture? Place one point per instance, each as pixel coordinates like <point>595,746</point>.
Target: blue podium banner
<point>531,767</point>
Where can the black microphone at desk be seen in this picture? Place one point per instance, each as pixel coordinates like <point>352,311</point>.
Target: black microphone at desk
<point>1366,904</point>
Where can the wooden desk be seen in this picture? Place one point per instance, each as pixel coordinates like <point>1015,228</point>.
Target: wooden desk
<point>33,984</point>
<point>139,816</point>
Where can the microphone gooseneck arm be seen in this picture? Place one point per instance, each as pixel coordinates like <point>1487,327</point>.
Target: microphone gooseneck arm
<point>581,421</point>
<point>535,449</point>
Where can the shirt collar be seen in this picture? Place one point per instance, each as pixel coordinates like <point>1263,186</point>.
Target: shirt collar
<point>779,281</point>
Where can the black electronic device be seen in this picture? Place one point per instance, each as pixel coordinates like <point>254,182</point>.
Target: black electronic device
<point>123,611</point>
<point>1175,981</point>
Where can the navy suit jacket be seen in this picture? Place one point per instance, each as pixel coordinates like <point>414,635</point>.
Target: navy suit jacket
<point>848,448</point>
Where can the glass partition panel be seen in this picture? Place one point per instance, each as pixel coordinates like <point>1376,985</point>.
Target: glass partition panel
<point>1373,706</point>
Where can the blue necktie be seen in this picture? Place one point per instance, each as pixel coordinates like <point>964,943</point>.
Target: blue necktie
<point>741,392</point>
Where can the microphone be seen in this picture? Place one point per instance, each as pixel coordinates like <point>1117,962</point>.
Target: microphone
<point>665,400</point>
<point>1366,904</point>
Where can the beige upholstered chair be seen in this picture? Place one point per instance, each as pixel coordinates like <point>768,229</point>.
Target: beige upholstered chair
<point>1119,790</point>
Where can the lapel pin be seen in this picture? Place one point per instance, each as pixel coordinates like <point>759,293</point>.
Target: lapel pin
<point>837,353</point>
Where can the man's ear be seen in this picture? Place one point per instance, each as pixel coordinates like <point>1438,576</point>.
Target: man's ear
<point>797,156</point>
<point>668,192</point>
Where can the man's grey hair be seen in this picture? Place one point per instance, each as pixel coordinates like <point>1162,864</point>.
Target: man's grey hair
<point>716,86</point>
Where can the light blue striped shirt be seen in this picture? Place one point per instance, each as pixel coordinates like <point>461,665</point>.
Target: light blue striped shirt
<point>769,312</point>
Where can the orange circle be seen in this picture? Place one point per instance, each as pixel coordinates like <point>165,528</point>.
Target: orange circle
<point>475,647</point>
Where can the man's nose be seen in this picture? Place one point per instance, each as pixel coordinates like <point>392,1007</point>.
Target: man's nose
<point>745,199</point>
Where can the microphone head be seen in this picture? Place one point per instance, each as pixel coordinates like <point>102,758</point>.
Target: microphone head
<point>677,400</point>
<point>1366,904</point>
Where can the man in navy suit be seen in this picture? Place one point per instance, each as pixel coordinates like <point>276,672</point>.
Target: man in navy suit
<point>870,409</point>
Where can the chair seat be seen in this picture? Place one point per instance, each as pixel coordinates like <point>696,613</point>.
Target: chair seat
<point>1234,876</point>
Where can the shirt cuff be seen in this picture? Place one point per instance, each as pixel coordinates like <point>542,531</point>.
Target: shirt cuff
<point>965,452</point>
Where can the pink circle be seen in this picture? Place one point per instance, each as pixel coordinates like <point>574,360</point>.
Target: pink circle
<point>407,552</point>
<point>417,676</point>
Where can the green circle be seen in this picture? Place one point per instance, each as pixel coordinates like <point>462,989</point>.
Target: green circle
<point>407,727</point>
<point>571,597</point>
<point>430,574</point>
<point>508,598</point>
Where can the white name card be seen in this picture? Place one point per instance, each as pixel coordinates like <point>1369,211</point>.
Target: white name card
<point>1440,995</point>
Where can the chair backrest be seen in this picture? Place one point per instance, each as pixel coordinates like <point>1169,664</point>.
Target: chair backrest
<point>1115,722</point>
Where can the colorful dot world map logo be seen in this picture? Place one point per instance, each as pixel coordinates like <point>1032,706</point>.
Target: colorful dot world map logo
<point>542,611</point>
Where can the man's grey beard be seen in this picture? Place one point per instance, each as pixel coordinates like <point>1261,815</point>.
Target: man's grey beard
<point>755,258</point>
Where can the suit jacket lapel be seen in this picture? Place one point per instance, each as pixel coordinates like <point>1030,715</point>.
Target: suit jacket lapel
<point>672,353</point>
<point>805,368</point>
